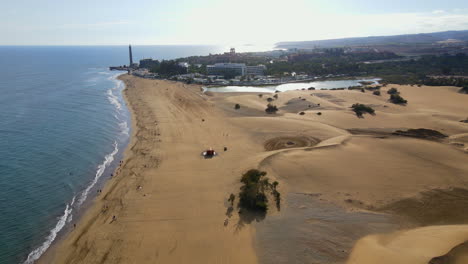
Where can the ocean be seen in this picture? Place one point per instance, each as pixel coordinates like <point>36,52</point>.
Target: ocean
<point>63,128</point>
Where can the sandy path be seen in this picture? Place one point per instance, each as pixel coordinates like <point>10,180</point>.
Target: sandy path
<point>178,215</point>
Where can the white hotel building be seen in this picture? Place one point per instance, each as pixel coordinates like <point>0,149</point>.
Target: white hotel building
<point>239,69</point>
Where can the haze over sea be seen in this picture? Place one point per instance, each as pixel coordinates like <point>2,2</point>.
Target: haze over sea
<point>63,126</point>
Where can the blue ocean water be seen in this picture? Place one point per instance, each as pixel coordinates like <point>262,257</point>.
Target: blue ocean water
<point>63,126</point>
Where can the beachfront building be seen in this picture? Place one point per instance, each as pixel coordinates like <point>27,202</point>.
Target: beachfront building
<point>255,70</point>
<point>184,64</point>
<point>222,69</point>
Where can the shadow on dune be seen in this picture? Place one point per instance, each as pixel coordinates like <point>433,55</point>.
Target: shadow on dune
<point>458,254</point>
<point>247,217</point>
<point>434,207</point>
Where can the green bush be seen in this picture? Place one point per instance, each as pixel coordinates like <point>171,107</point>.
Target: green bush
<point>271,109</point>
<point>393,91</point>
<point>237,106</point>
<point>376,93</point>
<point>360,109</point>
<point>397,99</point>
<point>253,192</point>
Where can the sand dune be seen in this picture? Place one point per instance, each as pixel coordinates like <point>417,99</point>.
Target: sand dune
<point>416,246</point>
<point>360,165</point>
<point>348,184</point>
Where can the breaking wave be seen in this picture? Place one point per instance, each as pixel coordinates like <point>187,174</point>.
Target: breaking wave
<point>36,253</point>
<point>101,168</point>
<point>113,99</point>
<point>67,215</point>
<point>124,128</point>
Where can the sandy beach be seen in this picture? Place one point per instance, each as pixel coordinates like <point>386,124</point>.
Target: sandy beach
<point>353,191</point>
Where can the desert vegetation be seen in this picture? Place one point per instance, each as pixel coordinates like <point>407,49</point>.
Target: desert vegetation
<point>361,109</point>
<point>397,99</point>
<point>393,91</point>
<point>237,106</point>
<point>271,109</point>
<point>377,92</point>
<point>255,190</point>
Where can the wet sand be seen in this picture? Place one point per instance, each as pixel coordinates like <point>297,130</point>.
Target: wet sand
<point>352,190</point>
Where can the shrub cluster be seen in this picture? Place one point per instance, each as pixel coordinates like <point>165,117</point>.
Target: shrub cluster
<point>393,91</point>
<point>253,194</point>
<point>361,109</point>
<point>271,109</point>
<point>397,99</point>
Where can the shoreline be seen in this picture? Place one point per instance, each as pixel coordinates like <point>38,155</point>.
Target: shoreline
<point>107,209</point>
<point>91,197</point>
<point>168,204</point>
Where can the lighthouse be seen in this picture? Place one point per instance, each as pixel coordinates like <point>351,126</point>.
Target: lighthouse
<point>130,55</point>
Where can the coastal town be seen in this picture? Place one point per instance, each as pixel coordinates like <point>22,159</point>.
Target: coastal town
<point>292,64</point>
<point>217,74</point>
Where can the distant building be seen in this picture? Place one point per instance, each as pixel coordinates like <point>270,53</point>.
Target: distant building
<point>234,69</point>
<point>184,64</point>
<point>148,63</point>
<point>255,70</point>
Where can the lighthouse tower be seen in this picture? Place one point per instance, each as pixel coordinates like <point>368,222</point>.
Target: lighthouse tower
<point>130,55</point>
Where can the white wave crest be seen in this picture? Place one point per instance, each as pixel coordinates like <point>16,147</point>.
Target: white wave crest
<point>113,99</point>
<point>100,170</point>
<point>124,128</point>
<point>37,253</point>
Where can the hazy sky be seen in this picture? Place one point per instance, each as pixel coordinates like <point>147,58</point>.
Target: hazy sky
<point>102,22</point>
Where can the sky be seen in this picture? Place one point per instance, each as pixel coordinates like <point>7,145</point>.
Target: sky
<point>234,22</point>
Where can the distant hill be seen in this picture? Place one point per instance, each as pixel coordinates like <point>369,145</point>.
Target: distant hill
<point>423,38</point>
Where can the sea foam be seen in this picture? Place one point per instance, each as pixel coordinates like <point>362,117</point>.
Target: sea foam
<point>36,253</point>
<point>108,159</point>
<point>113,99</point>
<point>124,128</point>
<point>100,170</point>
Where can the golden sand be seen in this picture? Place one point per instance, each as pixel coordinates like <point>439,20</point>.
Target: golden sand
<point>179,213</point>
